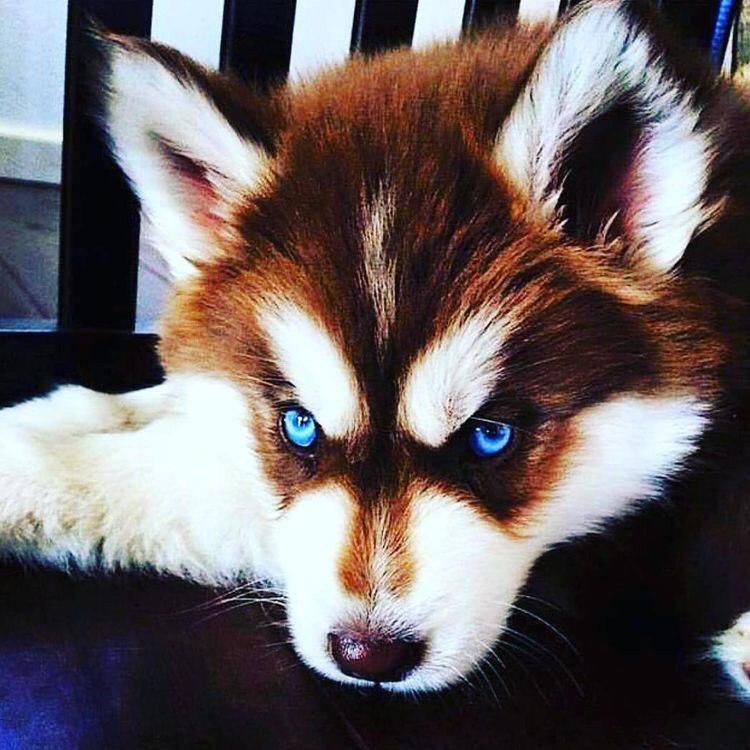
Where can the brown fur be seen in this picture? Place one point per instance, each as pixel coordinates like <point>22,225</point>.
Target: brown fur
<point>590,320</point>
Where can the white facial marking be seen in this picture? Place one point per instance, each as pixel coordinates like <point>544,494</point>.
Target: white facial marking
<point>378,268</point>
<point>452,379</point>
<point>459,619</point>
<point>567,91</point>
<point>312,361</point>
<point>309,539</point>
<point>189,440</point>
<point>467,574</point>
<point>627,448</point>
<point>147,103</point>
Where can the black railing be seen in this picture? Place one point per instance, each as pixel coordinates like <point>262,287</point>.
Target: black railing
<point>256,39</point>
<point>99,222</point>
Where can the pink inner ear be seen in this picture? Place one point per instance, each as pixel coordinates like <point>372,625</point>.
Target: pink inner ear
<point>635,194</point>
<point>195,186</point>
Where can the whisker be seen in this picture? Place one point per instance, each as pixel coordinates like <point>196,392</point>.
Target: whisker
<point>538,599</point>
<point>547,652</point>
<point>276,624</point>
<point>224,611</point>
<point>487,662</point>
<point>555,630</point>
<point>278,644</point>
<point>527,672</point>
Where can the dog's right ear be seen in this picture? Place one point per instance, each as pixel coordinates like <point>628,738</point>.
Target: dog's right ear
<point>192,143</point>
<point>606,134</point>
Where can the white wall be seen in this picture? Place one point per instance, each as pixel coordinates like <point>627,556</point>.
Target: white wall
<point>32,61</point>
<point>192,26</point>
<point>32,74</point>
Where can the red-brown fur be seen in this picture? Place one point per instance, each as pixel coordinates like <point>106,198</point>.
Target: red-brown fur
<point>591,319</point>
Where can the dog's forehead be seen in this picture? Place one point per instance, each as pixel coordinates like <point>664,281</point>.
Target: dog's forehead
<point>384,336</point>
<point>386,233</point>
<point>426,393</point>
<point>397,233</point>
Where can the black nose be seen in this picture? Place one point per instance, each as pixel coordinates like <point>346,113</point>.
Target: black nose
<point>374,657</point>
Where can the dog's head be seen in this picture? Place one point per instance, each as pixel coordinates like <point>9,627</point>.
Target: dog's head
<point>448,287</point>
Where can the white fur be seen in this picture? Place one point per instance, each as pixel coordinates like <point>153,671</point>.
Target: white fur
<point>468,572</point>
<point>732,649</point>
<point>72,410</point>
<point>312,361</point>
<point>459,616</point>
<point>568,89</point>
<point>308,541</point>
<point>626,448</point>
<point>147,103</point>
<point>159,478</point>
<point>450,380</point>
<point>169,477</point>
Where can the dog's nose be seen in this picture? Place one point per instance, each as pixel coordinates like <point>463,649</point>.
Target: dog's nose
<point>374,657</point>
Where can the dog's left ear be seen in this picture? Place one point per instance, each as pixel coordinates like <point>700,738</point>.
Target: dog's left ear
<point>605,134</point>
<point>192,142</point>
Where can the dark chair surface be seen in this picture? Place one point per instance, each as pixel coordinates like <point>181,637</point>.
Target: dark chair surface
<point>134,661</point>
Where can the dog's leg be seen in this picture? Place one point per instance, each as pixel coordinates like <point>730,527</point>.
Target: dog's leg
<point>72,409</point>
<point>164,477</point>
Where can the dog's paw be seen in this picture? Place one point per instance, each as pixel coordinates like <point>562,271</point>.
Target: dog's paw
<point>732,649</point>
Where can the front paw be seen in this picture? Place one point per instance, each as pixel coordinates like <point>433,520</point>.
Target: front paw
<point>732,649</point>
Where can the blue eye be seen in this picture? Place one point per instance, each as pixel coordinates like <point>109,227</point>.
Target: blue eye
<point>299,427</point>
<point>488,439</point>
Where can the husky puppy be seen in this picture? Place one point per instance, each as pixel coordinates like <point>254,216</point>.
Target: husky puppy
<point>434,313</point>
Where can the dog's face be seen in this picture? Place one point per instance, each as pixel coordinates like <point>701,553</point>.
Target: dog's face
<point>445,286</point>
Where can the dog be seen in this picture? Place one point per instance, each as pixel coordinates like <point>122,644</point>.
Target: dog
<point>434,314</point>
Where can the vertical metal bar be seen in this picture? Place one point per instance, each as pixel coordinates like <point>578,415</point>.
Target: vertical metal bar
<point>256,39</point>
<point>724,20</point>
<point>99,215</point>
<point>479,13</point>
<point>695,18</point>
<point>382,24</point>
